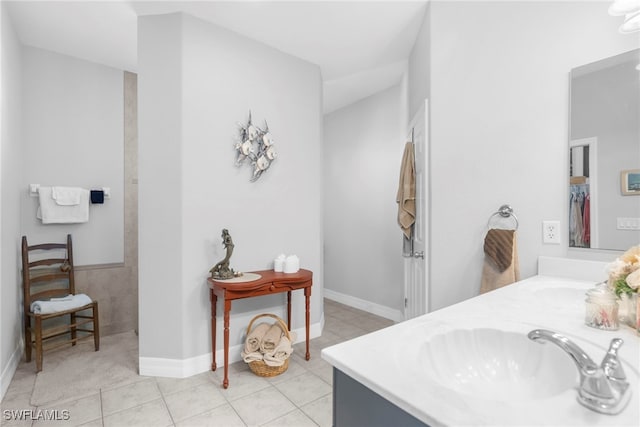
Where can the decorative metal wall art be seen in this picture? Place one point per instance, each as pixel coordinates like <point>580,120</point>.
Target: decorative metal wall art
<point>255,144</point>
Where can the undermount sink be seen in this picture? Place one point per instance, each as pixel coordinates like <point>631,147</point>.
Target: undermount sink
<point>497,365</point>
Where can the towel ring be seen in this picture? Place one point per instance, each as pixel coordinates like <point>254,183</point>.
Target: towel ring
<point>505,211</point>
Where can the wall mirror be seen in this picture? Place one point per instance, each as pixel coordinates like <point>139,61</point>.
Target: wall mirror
<point>604,146</point>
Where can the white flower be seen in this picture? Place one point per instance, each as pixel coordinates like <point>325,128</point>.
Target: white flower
<point>616,268</point>
<point>271,153</point>
<point>633,280</point>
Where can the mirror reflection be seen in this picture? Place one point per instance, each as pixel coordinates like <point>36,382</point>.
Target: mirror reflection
<point>604,145</point>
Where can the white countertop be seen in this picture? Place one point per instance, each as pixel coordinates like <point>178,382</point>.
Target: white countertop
<point>379,360</point>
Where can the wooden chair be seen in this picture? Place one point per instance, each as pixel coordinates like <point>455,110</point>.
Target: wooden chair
<point>44,277</point>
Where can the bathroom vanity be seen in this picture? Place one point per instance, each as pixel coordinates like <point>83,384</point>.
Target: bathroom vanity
<point>472,363</point>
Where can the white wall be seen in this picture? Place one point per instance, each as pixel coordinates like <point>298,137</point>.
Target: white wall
<point>197,81</point>
<point>419,72</point>
<point>363,146</point>
<point>73,136</point>
<point>499,118</point>
<point>10,169</point>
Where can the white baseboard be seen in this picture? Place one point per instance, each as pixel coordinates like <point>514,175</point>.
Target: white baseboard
<point>371,307</point>
<point>10,369</point>
<point>182,368</point>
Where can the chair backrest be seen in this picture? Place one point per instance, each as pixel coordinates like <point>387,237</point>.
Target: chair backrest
<point>47,271</point>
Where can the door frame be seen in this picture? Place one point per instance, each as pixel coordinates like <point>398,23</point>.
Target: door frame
<point>417,308</point>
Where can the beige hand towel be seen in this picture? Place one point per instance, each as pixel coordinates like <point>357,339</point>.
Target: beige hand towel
<point>501,266</point>
<point>406,196</point>
<point>251,357</point>
<point>252,343</point>
<point>271,339</point>
<point>279,354</point>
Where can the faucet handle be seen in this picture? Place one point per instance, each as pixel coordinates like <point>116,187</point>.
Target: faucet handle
<point>611,365</point>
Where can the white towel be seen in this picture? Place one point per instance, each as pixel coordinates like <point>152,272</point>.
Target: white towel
<point>48,307</point>
<point>67,298</point>
<point>51,212</point>
<point>66,196</point>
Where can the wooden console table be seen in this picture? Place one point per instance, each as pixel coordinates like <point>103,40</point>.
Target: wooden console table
<point>269,283</point>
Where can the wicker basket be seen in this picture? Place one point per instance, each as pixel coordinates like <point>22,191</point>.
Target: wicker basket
<point>260,368</point>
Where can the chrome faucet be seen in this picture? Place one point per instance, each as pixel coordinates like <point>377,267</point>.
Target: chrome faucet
<point>603,388</point>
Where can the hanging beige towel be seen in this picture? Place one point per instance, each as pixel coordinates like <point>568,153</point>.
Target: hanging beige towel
<point>500,261</point>
<point>406,197</point>
<point>271,339</point>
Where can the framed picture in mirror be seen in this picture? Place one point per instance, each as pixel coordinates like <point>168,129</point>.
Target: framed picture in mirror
<point>630,182</point>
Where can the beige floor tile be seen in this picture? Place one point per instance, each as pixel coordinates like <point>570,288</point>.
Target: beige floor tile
<point>17,401</point>
<point>324,370</point>
<point>296,367</point>
<point>326,339</point>
<point>19,407</point>
<point>172,385</point>
<point>129,396</point>
<point>193,401</point>
<point>296,418</point>
<point>72,413</point>
<point>23,380</point>
<point>242,384</point>
<point>262,407</point>
<point>300,355</point>
<point>300,396</point>
<point>222,416</point>
<point>304,388</point>
<point>320,411</point>
<point>152,414</point>
<point>94,423</point>
<point>348,331</point>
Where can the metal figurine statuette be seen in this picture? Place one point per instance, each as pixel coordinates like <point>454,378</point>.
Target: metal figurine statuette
<point>222,270</point>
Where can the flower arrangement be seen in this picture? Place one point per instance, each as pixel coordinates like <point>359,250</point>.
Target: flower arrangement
<point>624,281</point>
<point>624,273</point>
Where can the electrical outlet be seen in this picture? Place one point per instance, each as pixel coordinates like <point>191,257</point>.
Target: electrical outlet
<point>551,232</point>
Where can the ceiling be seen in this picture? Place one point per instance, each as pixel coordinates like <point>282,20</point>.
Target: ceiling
<point>361,47</point>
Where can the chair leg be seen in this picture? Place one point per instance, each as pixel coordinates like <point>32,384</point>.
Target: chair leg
<point>38,344</point>
<point>73,328</point>
<point>27,341</point>
<point>96,326</point>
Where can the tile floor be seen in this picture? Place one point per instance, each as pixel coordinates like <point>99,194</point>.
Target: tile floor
<point>299,397</point>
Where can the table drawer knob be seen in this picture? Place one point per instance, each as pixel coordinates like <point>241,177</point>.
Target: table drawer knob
<point>272,287</point>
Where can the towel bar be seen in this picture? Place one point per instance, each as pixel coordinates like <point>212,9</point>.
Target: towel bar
<point>505,211</point>
<point>33,191</point>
